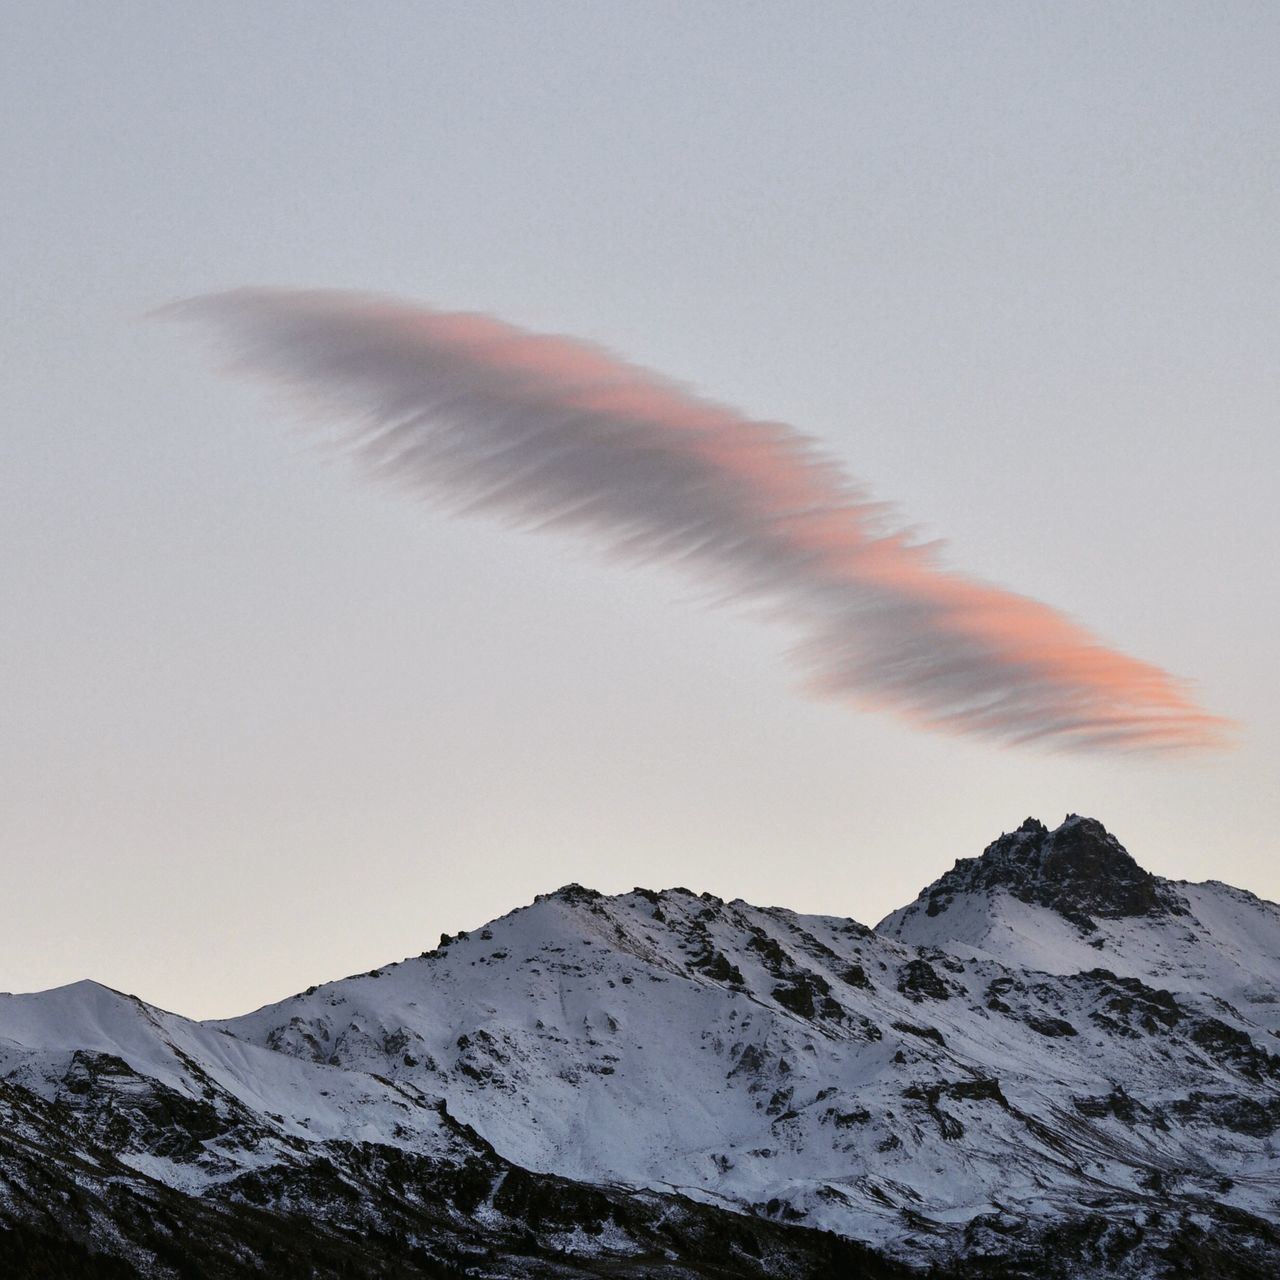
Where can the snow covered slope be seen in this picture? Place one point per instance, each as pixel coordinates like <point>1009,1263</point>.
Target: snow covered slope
<point>137,1143</point>
<point>239,1106</point>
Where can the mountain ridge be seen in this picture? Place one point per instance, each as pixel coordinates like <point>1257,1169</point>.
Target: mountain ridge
<point>929,1090</point>
<point>1078,869</point>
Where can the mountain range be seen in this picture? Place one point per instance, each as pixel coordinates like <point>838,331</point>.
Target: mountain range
<point>1052,1063</point>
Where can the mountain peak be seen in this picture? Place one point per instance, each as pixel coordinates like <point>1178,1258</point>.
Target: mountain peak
<point>1078,869</point>
<point>572,893</point>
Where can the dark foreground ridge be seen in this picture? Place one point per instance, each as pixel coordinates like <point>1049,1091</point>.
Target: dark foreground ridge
<point>73,1209</point>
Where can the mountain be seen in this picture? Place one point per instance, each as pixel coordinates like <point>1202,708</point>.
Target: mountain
<point>1052,1063</point>
<point>1072,899</point>
<point>137,1143</point>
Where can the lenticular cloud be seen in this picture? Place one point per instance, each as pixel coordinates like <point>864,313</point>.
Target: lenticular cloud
<point>550,433</point>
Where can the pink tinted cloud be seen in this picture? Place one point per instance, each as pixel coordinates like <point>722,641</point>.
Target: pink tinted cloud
<point>548,432</point>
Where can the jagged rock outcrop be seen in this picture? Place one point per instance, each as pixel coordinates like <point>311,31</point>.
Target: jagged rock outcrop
<point>1079,870</point>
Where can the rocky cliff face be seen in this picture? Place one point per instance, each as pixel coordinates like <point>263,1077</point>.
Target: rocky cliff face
<point>1053,1063</point>
<point>1079,870</point>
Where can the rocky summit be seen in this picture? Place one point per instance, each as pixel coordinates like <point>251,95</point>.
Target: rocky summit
<point>1052,1063</point>
<point>1079,870</point>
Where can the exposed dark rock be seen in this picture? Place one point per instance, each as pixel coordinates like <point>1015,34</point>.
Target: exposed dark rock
<point>809,995</point>
<point>925,1033</point>
<point>846,1119</point>
<point>1128,1005</point>
<point>1234,1047</point>
<point>1229,1111</point>
<point>1079,870</point>
<point>1051,1027</point>
<point>716,965</point>
<point>575,894</point>
<point>918,979</point>
<point>771,952</point>
<point>798,997</point>
<point>1117,1103</point>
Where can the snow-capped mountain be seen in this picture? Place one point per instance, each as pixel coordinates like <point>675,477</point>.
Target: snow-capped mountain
<point>1051,1063</point>
<point>1073,899</point>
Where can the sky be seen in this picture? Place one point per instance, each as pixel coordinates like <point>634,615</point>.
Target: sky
<point>1012,268</point>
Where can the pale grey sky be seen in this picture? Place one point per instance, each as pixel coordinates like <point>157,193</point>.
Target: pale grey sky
<point>1014,264</point>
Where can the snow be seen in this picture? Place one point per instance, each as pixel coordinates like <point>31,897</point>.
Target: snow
<point>1228,946</point>
<point>41,1032</point>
